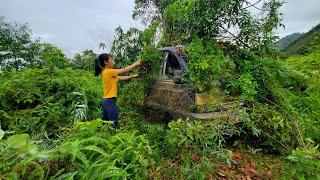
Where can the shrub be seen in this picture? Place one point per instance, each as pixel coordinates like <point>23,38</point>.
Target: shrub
<point>158,136</point>
<point>121,155</point>
<point>207,65</point>
<point>205,138</point>
<point>273,130</point>
<point>89,150</point>
<point>36,101</point>
<point>138,89</point>
<point>245,86</point>
<point>307,163</point>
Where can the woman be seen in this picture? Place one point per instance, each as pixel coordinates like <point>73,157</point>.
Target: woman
<point>104,65</point>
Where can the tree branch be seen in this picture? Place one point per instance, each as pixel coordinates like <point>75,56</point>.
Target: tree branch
<point>252,5</point>
<point>237,38</point>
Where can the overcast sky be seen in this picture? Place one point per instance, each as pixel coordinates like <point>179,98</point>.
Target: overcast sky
<point>75,25</point>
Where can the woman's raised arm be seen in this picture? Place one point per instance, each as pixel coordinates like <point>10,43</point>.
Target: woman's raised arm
<point>129,68</point>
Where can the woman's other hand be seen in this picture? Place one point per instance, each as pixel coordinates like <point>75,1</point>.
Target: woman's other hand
<point>135,76</point>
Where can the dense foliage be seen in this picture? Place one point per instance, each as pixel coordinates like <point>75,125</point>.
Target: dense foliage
<point>48,104</point>
<point>181,20</point>
<point>15,44</point>
<point>208,66</point>
<point>90,150</point>
<point>39,101</point>
<point>149,70</point>
<point>84,60</point>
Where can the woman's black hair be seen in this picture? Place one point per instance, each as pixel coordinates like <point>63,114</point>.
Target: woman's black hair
<point>99,63</point>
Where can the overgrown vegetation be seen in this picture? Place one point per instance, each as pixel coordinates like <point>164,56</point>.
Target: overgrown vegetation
<point>90,150</point>
<point>48,103</point>
<point>41,101</point>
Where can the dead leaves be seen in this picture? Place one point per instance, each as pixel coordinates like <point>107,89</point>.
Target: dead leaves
<point>237,155</point>
<point>245,168</point>
<point>250,171</point>
<point>271,166</point>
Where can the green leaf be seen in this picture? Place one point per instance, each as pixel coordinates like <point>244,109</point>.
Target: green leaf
<point>182,141</point>
<point>17,141</point>
<point>96,149</point>
<point>68,175</point>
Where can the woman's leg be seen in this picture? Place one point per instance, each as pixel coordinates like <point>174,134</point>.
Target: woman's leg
<point>110,111</point>
<point>113,115</point>
<point>104,112</point>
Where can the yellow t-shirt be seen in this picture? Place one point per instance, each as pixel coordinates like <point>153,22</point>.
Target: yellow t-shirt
<point>110,83</point>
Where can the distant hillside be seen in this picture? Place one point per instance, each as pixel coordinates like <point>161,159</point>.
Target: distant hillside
<point>307,43</point>
<point>287,40</point>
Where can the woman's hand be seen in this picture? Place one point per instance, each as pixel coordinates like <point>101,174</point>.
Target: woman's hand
<point>127,78</point>
<point>138,62</point>
<point>135,76</point>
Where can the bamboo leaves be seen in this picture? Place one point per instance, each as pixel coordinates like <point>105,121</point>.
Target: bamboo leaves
<point>17,141</point>
<point>121,155</point>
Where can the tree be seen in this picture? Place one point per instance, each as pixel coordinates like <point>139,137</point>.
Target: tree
<point>84,60</point>
<point>248,24</point>
<point>52,56</point>
<point>16,47</point>
<point>126,46</point>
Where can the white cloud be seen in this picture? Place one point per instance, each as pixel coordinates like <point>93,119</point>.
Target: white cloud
<point>72,25</point>
<point>43,36</point>
<point>300,16</point>
<point>75,25</point>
